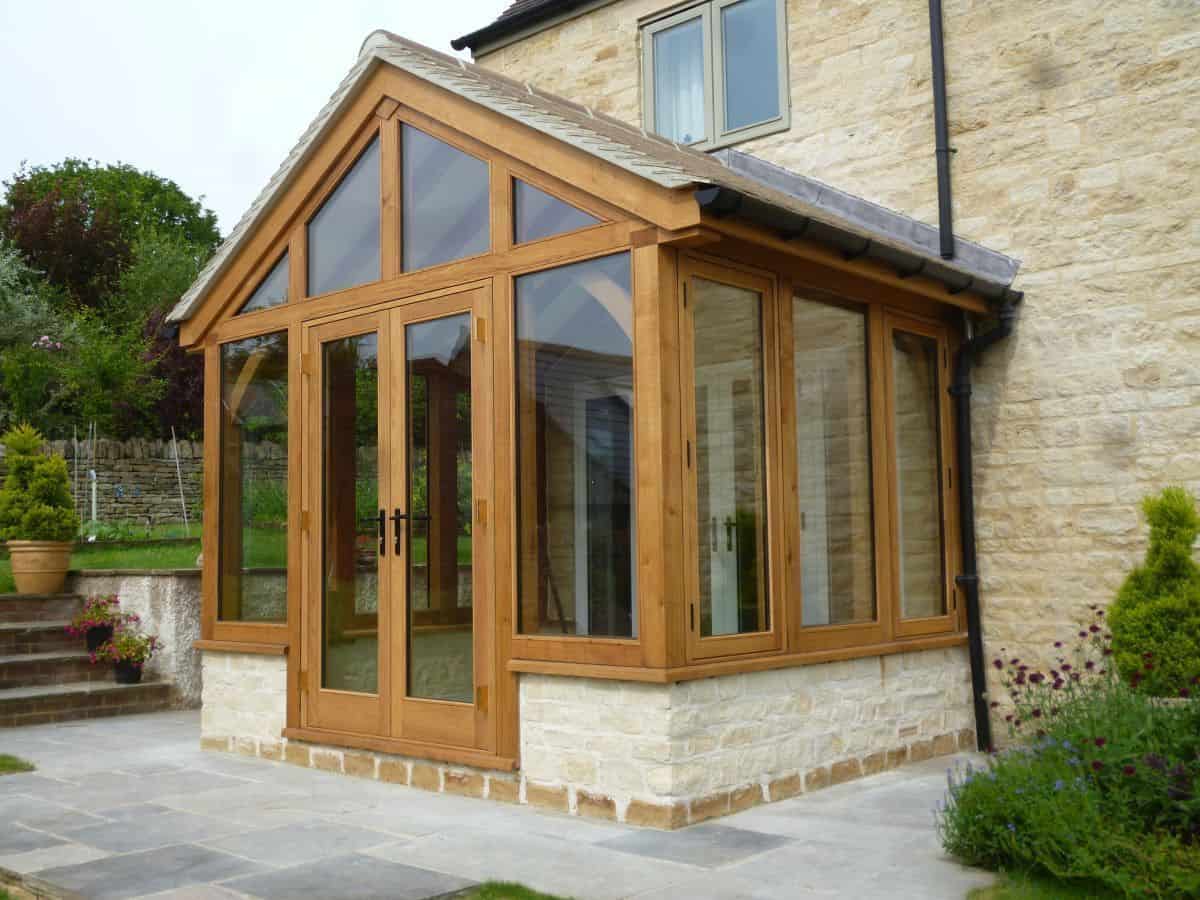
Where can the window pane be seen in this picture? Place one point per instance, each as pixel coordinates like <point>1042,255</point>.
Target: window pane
<point>751,58</point>
<point>252,582</point>
<point>350,501</point>
<point>440,624</point>
<point>272,291</point>
<point>918,464</point>
<point>536,214</point>
<point>833,451</point>
<point>575,502</point>
<point>730,459</point>
<point>343,237</point>
<point>445,199</point>
<point>678,57</point>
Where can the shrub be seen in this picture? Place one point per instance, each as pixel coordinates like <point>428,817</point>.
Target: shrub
<point>35,502</point>
<point>1157,610</point>
<point>1103,791</point>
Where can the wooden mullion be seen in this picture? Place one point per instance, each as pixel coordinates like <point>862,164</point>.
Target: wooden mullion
<point>390,225</point>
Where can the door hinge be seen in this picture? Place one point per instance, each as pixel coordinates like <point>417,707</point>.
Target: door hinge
<point>689,453</point>
<point>692,608</point>
<point>305,520</point>
<point>481,330</point>
<point>481,697</point>
<point>685,297</point>
<point>304,681</point>
<point>481,512</point>
<point>306,364</point>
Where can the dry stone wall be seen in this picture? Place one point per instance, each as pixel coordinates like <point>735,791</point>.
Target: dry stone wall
<point>1076,126</point>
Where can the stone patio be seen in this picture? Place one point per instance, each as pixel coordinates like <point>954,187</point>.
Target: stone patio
<point>132,807</point>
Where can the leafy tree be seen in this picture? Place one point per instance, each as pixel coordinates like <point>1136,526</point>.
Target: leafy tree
<point>163,264</point>
<point>27,304</point>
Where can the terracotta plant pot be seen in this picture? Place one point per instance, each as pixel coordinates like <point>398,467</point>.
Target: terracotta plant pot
<point>127,672</point>
<point>40,567</point>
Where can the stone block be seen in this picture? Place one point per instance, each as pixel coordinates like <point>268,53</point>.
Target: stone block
<point>546,796</point>
<point>360,765</point>
<point>393,771</point>
<point>816,779</point>
<point>666,816</point>
<point>426,777</point>
<point>272,750</point>
<point>503,790</point>
<point>326,760</point>
<point>845,770</point>
<point>465,784</point>
<point>920,751</point>
<point>297,754</point>
<point>945,744</point>
<point>708,807</point>
<point>595,806</point>
<point>215,743</point>
<point>785,787</point>
<point>745,797</point>
<point>874,763</point>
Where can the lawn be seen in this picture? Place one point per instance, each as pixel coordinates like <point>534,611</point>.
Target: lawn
<point>1034,887</point>
<point>265,548</point>
<point>11,764</point>
<point>504,890</point>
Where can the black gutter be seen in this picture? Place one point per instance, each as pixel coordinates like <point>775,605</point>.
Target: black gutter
<point>964,360</point>
<point>941,130</point>
<point>508,25</point>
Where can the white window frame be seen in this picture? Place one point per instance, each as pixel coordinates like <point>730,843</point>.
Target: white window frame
<point>709,12</point>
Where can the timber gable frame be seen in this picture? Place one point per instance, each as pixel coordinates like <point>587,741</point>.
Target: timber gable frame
<point>670,237</point>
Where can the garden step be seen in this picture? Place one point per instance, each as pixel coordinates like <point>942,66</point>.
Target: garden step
<point>33,607</point>
<point>55,667</point>
<point>45,636</point>
<point>80,700</point>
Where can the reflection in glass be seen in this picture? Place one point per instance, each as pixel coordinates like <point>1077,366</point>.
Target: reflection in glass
<point>350,504</point>
<point>252,580</point>
<point>272,291</point>
<point>678,56</point>
<point>730,459</point>
<point>343,237</point>
<point>537,214</point>
<point>918,464</point>
<point>575,500</point>
<point>833,451</point>
<point>440,626</point>
<point>445,200</point>
<point>751,63</point>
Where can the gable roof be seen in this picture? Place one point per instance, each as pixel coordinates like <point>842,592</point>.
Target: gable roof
<point>520,15</point>
<point>728,183</point>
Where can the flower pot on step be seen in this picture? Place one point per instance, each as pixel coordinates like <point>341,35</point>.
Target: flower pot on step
<point>40,567</point>
<point>97,636</point>
<point>128,672</point>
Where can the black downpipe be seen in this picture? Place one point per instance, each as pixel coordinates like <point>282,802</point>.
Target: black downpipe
<point>941,130</point>
<point>964,360</point>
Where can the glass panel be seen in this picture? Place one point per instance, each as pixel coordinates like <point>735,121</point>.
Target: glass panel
<point>833,451</point>
<point>751,59</point>
<point>343,237</point>
<point>445,199</point>
<point>678,57</point>
<point>730,459</point>
<point>272,291</point>
<point>252,582</point>
<point>575,504</point>
<point>918,464</point>
<point>536,214</point>
<point>440,636</point>
<point>350,491</point>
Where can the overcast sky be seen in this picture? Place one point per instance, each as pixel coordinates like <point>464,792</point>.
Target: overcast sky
<point>210,94</point>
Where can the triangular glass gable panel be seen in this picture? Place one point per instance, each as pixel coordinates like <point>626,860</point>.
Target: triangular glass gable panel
<point>445,200</point>
<point>343,237</point>
<point>538,215</point>
<point>271,291</point>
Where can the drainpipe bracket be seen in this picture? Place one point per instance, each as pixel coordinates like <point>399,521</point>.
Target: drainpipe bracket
<point>966,580</point>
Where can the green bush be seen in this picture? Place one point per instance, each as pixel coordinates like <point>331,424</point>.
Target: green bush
<point>1104,789</point>
<point>1155,619</point>
<point>35,502</point>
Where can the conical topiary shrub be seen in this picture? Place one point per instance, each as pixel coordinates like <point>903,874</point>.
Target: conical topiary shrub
<point>1155,619</point>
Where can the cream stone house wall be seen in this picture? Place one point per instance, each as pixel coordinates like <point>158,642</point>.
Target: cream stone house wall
<point>1076,125</point>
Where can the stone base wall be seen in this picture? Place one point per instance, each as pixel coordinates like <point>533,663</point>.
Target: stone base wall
<point>662,756</point>
<point>168,603</point>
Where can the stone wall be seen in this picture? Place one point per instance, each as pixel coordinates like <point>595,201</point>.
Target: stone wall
<point>656,755</point>
<point>168,604</point>
<point>1075,124</point>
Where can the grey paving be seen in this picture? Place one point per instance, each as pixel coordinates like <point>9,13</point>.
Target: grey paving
<point>130,807</point>
<point>350,877</point>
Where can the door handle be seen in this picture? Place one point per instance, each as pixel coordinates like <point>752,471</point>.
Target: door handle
<point>397,519</point>
<point>382,532</point>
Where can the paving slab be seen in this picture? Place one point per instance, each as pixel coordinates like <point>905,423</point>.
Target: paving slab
<point>171,827</point>
<point>291,845</point>
<point>17,838</point>
<point>350,877</point>
<point>59,854</point>
<point>135,874</point>
<point>709,845</point>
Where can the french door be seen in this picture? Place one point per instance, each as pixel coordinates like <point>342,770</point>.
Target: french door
<point>397,611</point>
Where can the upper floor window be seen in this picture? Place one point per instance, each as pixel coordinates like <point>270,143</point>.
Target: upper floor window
<point>716,73</point>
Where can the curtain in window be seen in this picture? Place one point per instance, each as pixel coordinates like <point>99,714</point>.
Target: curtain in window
<point>679,82</point>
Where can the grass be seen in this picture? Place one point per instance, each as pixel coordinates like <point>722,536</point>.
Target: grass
<point>1020,886</point>
<point>265,548</point>
<point>504,890</point>
<point>11,764</point>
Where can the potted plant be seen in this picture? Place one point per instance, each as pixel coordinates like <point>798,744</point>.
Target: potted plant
<point>100,616</point>
<point>129,650</point>
<point>37,518</point>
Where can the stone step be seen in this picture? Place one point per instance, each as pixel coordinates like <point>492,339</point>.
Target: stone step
<point>55,667</point>
<point>80,700</point>
<point>36,607</point>
<point>46,636</point>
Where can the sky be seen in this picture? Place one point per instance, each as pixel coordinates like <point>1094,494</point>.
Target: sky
<point>210,94</point>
